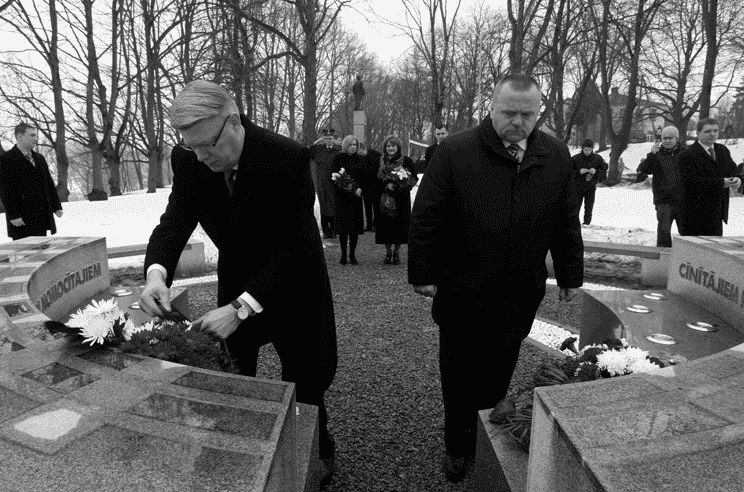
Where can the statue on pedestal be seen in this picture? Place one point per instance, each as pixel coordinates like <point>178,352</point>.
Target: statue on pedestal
<point>358,91</point>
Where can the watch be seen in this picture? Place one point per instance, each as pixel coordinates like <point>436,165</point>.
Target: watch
<point>241,310</point>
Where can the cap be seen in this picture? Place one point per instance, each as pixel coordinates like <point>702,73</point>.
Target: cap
<point>587,143</point>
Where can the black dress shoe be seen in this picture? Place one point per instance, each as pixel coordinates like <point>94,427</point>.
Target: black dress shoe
<point>353,260</point>
<point>327,465</point>
<point>396,259</point>
<point>343,260</point>
<point>454,468</point>
<point>388,259</point>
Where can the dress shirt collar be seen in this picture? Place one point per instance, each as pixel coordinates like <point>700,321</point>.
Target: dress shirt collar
<point>522,144</point>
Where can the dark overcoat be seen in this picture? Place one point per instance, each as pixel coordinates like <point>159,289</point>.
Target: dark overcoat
<point>349,207</point>
<point>482,223</point>
<point>394,229</point>
<point>27,192</point>
<point>268,243</point>
<point>323,164</point>
<point>705,202</point>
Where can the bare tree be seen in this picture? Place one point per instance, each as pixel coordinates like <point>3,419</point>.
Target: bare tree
<point>529,21</point>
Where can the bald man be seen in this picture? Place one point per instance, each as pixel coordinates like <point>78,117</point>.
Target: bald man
<point>661,162</point>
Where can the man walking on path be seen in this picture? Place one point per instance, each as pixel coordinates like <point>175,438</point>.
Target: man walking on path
<point>707,172</point>
<point>590,169</point>
<point>26,188</point>
<point>661,163</point>
<point>494,200</point>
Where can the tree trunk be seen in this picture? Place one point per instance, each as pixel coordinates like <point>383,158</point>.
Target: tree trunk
<point>710,21</point>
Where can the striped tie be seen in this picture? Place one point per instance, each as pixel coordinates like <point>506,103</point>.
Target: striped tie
<point>230,180</point>
<point>712,153</point>
<point>514,150</point>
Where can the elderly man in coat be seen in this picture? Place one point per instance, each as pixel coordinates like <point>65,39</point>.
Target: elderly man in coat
<point>707,172</point>
<point>272,287</point>
<point>494,200</point>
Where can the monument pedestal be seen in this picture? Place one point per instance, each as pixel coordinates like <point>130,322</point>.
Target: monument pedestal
<point>360,125</point>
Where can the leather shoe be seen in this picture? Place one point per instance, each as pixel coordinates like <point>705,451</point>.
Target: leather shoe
<point>353,260</point>
<point>327,465</point>
<point>343,260</point>
<point>502,411</point>
<point>454,468</point>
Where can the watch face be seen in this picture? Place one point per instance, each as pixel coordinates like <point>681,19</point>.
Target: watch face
<point>242,313</point>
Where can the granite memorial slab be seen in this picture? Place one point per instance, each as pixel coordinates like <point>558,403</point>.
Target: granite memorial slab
<point>78,418</point>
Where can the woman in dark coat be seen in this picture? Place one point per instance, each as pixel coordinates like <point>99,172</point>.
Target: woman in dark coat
<point>348,196</point>
<point>395,178</point>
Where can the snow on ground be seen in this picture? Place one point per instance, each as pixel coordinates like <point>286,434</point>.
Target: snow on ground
<point>129,219</point>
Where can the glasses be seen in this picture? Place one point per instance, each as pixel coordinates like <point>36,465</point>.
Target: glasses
<point>209,146</point>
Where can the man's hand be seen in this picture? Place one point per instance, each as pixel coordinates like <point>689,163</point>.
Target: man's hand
<point>155,291</point>
<point>583,170</point>
<point>390,186</point>
<point>358,192</point>
<point>221,322</point>
<point>425,290</point>
<point>592,170</point>
<point>568,295</point>
<point>655,147</point>
<point>58,213</point>
<point>17,222</point>
<point>731,182</point>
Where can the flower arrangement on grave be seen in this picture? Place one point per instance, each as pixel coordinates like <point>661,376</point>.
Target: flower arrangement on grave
<point>104,323</point>
<point>613,357</point>
<point>343,180</point>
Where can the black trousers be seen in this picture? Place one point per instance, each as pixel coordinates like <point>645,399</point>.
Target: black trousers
<point>327,224</point>
<point>309,388</point>
<point>587,194</point>
<point>368,211</point>
<point>477,359</point>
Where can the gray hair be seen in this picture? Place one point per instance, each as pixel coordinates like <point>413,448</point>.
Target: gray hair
<point>670,130</point>
<point>347,142</point>
<point>200,100</point>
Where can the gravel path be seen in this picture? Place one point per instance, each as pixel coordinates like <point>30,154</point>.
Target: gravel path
<point>385,408</point>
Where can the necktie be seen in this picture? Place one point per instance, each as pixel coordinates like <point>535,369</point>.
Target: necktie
<point>514,151</point>
<point>712,152</point>
<point>230,180</point>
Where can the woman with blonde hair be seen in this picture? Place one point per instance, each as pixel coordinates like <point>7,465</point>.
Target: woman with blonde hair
<point>395,178</point>
<point>347,175</point>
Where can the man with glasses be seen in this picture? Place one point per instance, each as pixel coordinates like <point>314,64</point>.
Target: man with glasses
<point>251,191</point>
<point>26,188</point>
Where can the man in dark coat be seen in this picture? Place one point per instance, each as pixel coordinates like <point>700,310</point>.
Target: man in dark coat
<point>371,196</point>
<point>589,169</point>
<point>26,188</point>
<point>323,154</point>
<point>661,162</point>
<point>440,131</point>
<point>259,277</point>
<point>707,172</point>
<point>493,202</point>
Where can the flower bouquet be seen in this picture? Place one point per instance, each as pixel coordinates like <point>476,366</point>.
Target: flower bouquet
<point>402,178</point>
<point>104,323</point>
<point>343,180</point>
<point>612,357</point>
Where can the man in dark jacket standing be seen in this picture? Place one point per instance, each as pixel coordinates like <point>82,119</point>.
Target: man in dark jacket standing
<point>440,132</point>
<point>26,188</point>
<point>707,172</point>
<point>494,200</point>
<point>226,176</point>
<point>589,169</point>
<point>322,164</point>
<point>371,196</point>
<point>661,162</point>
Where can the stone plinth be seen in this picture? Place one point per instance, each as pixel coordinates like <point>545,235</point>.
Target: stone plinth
<point>360,125</point>
<point>80,418</point>
<point>709,271</point>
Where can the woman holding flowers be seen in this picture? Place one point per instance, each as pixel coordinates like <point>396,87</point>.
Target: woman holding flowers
<point>396,177</point>
<point>347,175</point>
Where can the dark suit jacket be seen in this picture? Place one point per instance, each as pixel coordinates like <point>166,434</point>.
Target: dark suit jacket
<point>268,242</point>
<point>483,230</point>
<point>428,155</point>
<point>704,201</point>
<point>27,192</point>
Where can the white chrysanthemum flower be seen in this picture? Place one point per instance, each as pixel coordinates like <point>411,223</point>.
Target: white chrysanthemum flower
<point>128,329</point>
<point>96,330</point>
<point>634,354</point>
<point>80,319</point>
<point>613,361</point>
<point>642,366</point>
<point>624,342</point>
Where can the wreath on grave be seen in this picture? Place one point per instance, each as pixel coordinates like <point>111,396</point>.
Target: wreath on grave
<point>104,323</point>
<point>613,357</point>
